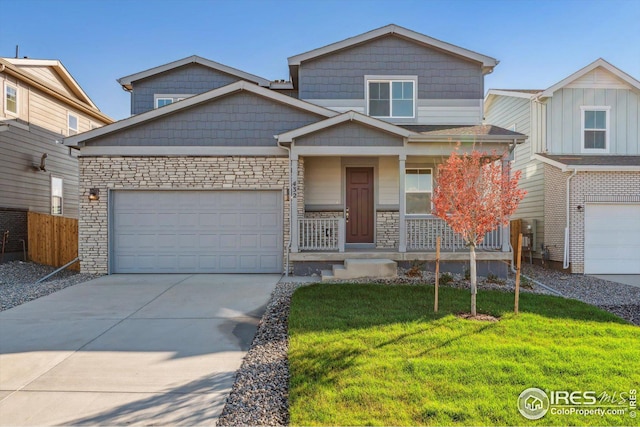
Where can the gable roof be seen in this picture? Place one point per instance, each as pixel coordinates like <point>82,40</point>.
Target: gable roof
<point>18,68</point>
<point>127,81</point>
<point>24,64</point>
<point>487,62</point>
<point>595,64</point>
<point>238,86</point>
<point>349,116</point>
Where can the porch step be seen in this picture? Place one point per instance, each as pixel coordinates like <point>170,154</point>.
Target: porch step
<point>359,268</point>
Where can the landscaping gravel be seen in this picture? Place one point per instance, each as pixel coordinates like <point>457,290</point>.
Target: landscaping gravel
<point>17,282</point>
<point>260,393</point>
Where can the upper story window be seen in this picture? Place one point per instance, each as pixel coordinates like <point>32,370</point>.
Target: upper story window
<point>161,99</point>
<point>391,97</point>
<point>10,99</point>
<point>72,123</point>
<point>418,190</point>
<point>161,102</point>
<point>56,196</point>
<point>595,129</point>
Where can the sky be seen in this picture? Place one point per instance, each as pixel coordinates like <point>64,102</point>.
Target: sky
<point>538,43</point>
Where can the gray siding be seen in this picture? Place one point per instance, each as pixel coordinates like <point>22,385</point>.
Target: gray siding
<point>564,119</point>
<point>24,187</point>
<point>241,119</point>
<point>350,134</point>
<point>341,75</point>
<point>189,79</point>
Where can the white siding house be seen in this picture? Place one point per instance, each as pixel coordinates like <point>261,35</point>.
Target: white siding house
<point>580,166</point>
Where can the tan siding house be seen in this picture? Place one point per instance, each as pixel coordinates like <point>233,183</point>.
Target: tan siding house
<point>41,104</point>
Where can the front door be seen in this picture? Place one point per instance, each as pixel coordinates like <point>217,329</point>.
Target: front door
<point>359,210</point>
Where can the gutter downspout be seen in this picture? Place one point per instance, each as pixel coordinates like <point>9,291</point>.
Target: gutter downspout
<point>290,193</point>
<point>565,261</point>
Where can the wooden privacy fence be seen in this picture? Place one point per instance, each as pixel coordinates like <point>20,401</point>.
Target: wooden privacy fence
<point>53,240</point>
<point>516,229</point>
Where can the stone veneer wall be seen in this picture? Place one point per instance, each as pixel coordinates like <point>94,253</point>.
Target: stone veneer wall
<point>324,214</point>
<point>604,186</point>
<point>387,230</point>
<point>154,173</point>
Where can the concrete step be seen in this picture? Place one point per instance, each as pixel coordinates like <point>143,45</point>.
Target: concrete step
<point>327,275</point>
<point>358,268</point>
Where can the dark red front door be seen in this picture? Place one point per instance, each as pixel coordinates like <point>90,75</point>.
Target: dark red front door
<point>359,205</point>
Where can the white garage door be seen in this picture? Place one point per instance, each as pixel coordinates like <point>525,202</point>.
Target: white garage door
<point>612,239</point>
<point>196,232</point>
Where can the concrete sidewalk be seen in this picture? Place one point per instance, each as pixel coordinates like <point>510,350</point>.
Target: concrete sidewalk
<point>129,349</point>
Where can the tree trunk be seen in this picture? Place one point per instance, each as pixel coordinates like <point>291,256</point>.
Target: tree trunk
<point>472,267</point>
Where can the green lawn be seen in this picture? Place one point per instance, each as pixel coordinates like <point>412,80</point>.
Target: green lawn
<point>378,355</point>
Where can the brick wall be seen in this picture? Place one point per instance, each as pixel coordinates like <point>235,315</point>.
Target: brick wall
<point>387,229</point>
<point>555,207</point>
<point>151,173</point>
<point>14,220</point>
<point>606,186</point>
<point>584,186</point>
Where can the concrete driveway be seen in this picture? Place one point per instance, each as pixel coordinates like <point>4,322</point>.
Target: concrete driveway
<point>627,279</point>
<point>129,349</point>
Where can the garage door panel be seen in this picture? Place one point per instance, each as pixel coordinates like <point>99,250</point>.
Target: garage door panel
<point>612,239</point>
<point>196,231</point>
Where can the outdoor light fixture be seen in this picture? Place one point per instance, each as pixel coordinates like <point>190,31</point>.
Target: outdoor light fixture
<point>579,207</point>
<point>94,194</point>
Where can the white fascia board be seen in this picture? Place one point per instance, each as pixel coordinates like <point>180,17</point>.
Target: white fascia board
<point>587,168</point>
<point>194,100</point>
<point>193,59</point>
<point>108,151</point>
<point>60,70</point>
<point>344,117</point>
<point>486,61</point>
<point>34,62</point>
<point>513,94</point>
<point>595,64</point>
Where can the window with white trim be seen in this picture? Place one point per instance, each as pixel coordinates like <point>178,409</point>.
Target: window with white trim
<point>595,129</point>
<point>391,98</point>
<point>56,196</point>
<point>72,123</point>
<point>161,102</point>
<point>10,99</point>
<point>418,190</point>
<point>162,99</point>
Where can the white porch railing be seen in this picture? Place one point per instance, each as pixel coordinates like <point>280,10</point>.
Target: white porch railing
<point>422,234</point>
<point>321,234</point>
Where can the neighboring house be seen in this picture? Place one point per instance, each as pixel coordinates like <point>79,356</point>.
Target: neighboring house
<point>580,166</point>
<point>223,171</point>
<point>41,104</point>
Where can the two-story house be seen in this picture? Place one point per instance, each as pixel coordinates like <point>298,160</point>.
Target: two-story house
<point>580,166</point>
<point>41,104</point>
<point>219,170</point>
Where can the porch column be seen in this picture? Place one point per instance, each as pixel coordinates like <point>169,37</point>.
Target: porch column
<point>506,237</point>
<point>402,227</point>
<point>293,203</point>
<point>506,229</point>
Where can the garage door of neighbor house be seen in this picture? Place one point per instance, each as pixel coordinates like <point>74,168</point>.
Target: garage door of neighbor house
<point>612,239</point>
<point>196,231</point>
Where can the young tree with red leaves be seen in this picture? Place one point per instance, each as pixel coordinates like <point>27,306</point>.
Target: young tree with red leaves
<point>474,195</point>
